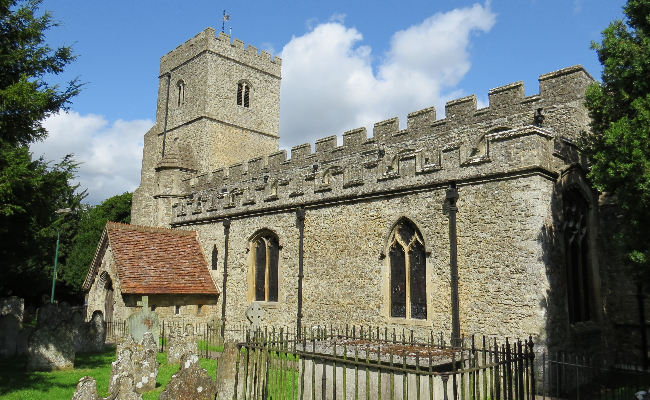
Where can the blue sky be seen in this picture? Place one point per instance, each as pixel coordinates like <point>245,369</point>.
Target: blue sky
<point>345,64</point>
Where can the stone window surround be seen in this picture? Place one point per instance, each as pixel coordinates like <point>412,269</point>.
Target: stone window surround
<point>573,177</point>
<point>385,274</point>
<point>180,85</point>
<point>250,293</point>
<point>244,94</point>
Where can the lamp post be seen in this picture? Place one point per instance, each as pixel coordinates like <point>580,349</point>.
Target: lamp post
<point>63,212</point>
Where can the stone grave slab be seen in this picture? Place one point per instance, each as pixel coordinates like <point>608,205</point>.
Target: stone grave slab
<point>255,313</point>
<point>22,344</point>
<point>190,382</point>
<point>137,360</point>
<point>51,348</point>
<point>143,321</point>
<point>87,390</point>
<point>181,343</point>
<point>89,337</point>
<point>9,329</point>
<point>226,371</point>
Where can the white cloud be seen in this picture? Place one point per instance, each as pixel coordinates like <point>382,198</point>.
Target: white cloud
<point>329,85</point>
<point>111,153</point>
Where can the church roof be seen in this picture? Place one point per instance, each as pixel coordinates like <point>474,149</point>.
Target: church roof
<point>154,260</point>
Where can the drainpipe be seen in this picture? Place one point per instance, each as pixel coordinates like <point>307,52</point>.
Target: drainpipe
<point>226,231</point>
<point>300,214</point>
<point>452,196</point>
<point>169,77</point>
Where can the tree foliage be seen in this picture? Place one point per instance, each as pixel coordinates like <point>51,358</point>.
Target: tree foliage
<point>31,190</point>
<point>91,225</point>
<point>25,98</point>
<point>619,142</point>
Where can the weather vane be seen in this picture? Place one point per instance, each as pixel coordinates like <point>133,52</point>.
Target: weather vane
<point>226,17</point>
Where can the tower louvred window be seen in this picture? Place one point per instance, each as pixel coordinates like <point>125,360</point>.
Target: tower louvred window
<point>243,94</point>
<point>247,92</point>
<point>240,89</point>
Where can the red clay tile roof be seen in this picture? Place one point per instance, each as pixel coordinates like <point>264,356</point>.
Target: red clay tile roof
<point>156,260</point>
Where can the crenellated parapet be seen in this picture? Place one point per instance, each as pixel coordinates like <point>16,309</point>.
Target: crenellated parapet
<point>223,46</point>
<point>514,135</point>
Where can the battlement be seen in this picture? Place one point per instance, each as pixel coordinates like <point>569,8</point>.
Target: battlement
<point>508,135</point>
<point>221,45</point>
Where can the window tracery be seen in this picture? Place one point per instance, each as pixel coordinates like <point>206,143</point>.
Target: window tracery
<point>576,247</point>
<point>266,251</point>
<point>407,272</point>
<point>243,94</point>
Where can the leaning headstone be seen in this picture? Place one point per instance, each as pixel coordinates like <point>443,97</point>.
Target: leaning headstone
<point>89,337</point>
<point>23,341</point>
<point>226,371</point>
<point>190,382</point>
<point>255,313</point>
<point>51,348</point>
<point>13,305</point>
<point>181,344</point>
<point>137,360</point>
<point>9,328</point>
<point>143,321</point>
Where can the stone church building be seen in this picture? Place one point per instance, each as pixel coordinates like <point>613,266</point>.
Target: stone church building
<point>532,247</point>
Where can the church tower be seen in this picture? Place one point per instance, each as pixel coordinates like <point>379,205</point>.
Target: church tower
<point>218,104</point>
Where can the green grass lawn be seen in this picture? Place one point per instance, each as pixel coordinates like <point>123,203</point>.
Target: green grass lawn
<point>16,383</point>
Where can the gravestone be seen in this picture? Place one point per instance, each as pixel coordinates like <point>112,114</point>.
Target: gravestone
<point>181,343</point>
<point>51,348</point>
<point>190,382</point>
<point>214,325</point>
<point>255,313</point>
<point>226,371</point>
<point>13,305</point>
<point>23,341</point>
<point>9,329</point>
<point>87,390</point>
<point>89,337</point>
<point>51,345</point>
<point>143,321</point>
<point>137,360</point>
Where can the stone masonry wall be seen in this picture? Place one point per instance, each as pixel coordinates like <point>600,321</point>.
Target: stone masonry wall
<point>204,116</point>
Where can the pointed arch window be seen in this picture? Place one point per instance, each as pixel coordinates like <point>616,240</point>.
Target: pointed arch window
<point>407,259</point>
<point>266,252</point>
<point>215,258</point>
<point>576,247</point>
<point>180,85</point>
<point>243,94</point>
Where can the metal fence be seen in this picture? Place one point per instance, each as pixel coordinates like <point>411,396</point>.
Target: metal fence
<point>570,376</point>
<point>382,365</point>
<point>354,362</point>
